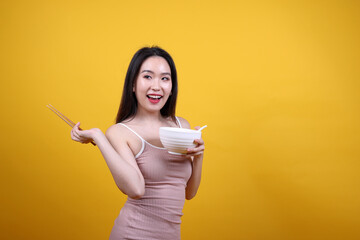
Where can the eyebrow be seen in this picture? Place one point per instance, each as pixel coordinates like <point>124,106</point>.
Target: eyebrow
<point>165,73</point>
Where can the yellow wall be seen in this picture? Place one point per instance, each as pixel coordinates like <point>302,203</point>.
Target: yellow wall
<point>277,82</point>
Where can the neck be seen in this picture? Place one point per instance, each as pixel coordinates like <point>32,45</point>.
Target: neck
<point>146,116</point>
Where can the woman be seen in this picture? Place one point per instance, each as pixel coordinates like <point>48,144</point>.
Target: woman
<point>155,181</point>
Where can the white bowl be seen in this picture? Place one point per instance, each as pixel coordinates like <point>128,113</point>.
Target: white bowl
<point>178,140</point>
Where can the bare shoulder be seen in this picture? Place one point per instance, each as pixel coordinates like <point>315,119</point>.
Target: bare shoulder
<point>116,132</point>
<point>184,122</point>
<point>121,137</point>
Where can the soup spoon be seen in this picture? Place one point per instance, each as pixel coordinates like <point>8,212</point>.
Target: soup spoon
<point>199,130</point>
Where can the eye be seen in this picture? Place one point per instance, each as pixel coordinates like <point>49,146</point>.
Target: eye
<point>147,76</point>
<point>165,78</point>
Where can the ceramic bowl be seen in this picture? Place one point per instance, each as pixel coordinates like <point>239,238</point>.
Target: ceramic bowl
<point>178,140</point>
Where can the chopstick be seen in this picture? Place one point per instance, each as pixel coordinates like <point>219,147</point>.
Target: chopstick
<point>63,117</point>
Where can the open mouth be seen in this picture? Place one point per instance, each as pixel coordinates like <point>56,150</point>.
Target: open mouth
<point>154,98</point>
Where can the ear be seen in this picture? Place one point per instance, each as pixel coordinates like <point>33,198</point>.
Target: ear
<point>133,88</point>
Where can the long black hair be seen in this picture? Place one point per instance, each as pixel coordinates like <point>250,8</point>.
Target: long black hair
<point>129,104</point>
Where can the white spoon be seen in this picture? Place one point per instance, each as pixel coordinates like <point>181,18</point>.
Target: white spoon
<point>199,130</point>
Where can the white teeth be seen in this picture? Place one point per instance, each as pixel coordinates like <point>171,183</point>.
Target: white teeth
<point>152,96</point>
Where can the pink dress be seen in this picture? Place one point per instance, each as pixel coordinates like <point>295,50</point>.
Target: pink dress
<point>156,215</point>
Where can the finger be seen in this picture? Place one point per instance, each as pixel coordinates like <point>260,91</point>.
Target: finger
<point>197,127</point>
<point>199,146</point>
<point>77,126</point>
<point>196,149</point>
<point>75,138</point>
<point>199,141</point>
<point>79,132</point>
<point>72,135</point>
<point>76,133</point>
<point>83,136</point>
<point>194,154</point>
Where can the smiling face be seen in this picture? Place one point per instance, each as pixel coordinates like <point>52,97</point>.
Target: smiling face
<point>153,84</point>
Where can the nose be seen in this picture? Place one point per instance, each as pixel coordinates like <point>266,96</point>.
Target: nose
<point>155,84</point>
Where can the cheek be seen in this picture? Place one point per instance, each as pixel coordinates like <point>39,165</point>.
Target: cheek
<point>140,86</point>
<point>168,87</point>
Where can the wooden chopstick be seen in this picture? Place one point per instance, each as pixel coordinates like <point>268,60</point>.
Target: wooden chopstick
<point>63,117</point>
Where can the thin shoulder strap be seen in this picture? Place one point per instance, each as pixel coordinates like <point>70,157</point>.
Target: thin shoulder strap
<point>142,140</point>
<point>132,131</point>
<point>178,121</point>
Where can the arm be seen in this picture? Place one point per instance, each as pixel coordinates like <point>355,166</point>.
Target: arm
<point>197,155</point>
<point>194,181</point>
<point>118,157</point>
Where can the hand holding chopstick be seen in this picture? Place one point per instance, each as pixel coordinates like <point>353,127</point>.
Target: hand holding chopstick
<point>63,117</point>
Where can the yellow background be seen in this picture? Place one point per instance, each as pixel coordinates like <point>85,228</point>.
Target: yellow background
<point>277,82</point>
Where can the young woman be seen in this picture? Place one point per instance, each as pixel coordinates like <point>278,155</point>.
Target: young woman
<point>155,181</point>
